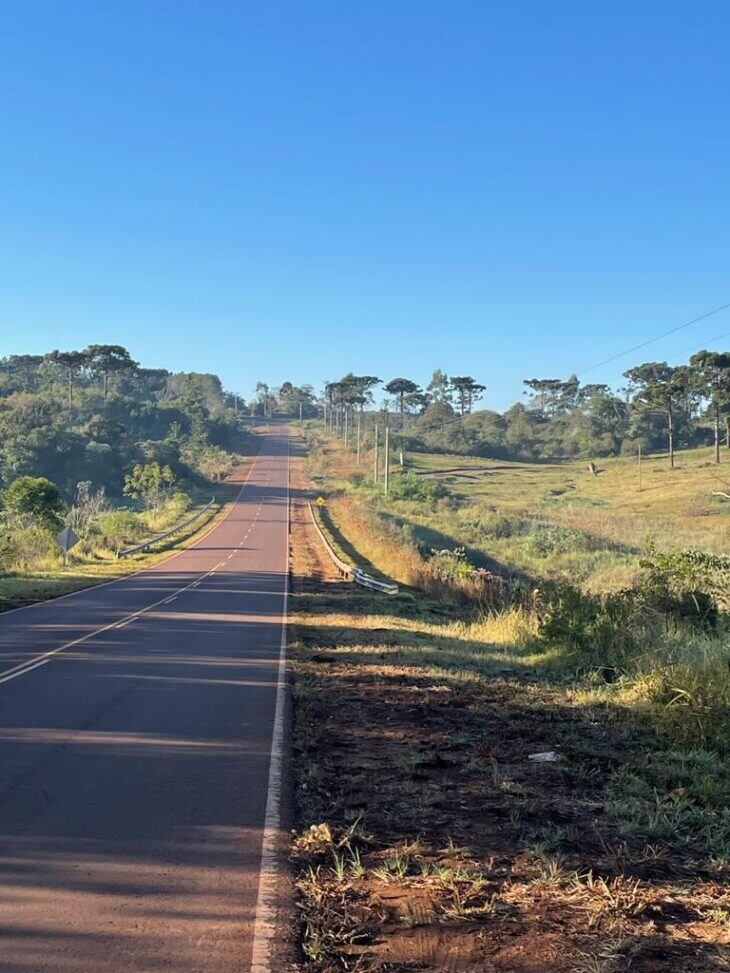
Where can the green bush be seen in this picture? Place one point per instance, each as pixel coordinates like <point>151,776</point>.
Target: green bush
<point>150,483</point>
<point>119,528</point>
<point>604,632</point>
<point>408,486</point>
<point>499,526</point>
<point>29,548</point>
<point>451,564</point>
<point>36,500</point>
<point>547,539</point>
<point>686,586</point>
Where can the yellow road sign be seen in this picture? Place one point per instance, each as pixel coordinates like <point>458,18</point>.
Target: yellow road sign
<point>320,501</point>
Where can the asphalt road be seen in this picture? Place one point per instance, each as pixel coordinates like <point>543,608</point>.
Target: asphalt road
<point>135,761</point>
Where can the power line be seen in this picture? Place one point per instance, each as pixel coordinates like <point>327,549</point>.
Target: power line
<point>649,341</point>
<point>707,341</point>
<point>697,346</point>
<point>621,354</point>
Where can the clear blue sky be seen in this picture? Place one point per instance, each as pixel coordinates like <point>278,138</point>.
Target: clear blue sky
<point>289,190</point>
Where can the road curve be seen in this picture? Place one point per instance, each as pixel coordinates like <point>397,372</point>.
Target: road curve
<point>136,725</point>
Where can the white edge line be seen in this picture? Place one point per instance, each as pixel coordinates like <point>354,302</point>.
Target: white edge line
<point>264,930</point>
<point>21,668</point>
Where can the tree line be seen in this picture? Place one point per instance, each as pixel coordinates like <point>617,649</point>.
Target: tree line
<point>91,415</point>
<point>660,407</point>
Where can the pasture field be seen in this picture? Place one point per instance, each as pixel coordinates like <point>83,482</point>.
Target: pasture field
<point>559,520</point>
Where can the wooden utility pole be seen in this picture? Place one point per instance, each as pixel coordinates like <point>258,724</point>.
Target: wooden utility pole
<point>359,416</point>
<point>375,468</point>
<point>386,480</point>
<point>640,468</point>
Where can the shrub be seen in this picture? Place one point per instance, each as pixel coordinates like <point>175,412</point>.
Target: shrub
<point>88,505</point>
<point>547,539</point>
<point>408,486</point>
<point>685,585</point>
<point>28,548</point>
<point>450,565</point>
<point>168,514</point>
<point>149,482</point>
<point>35,499</point>
<point>603,631</point>
<point>499,526</point>
<point>119,528</point>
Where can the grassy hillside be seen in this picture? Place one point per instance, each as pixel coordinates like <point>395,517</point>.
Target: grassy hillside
<point>560,520</point>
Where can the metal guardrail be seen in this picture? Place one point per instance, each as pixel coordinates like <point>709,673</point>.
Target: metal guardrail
<point>347,570</point>
<point>389,587</point>
<point>161,537</point>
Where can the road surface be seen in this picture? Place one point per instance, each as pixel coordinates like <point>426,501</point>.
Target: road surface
<point>135,759</point>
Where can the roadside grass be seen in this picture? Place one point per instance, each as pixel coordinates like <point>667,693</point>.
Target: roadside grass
<point>26,588</point>
<point>679,675</point>
<point>428,838</point>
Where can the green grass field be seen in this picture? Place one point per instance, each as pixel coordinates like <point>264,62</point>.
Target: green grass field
<point>559,520</point>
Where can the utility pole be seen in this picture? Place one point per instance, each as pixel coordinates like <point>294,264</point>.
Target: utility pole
<point>639,467</point>
<point>386,481</point>
<point>375,469</point>
<point>300,411</point>
<point>347,430</point>
<point>358,437</point>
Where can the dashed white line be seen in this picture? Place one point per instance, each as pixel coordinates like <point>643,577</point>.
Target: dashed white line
<point>45,657</point>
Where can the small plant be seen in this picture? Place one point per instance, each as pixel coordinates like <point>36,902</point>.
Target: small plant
<point>396,866</point>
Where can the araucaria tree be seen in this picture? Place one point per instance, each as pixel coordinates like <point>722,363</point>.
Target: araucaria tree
<point>71,363</point>
<point>467,391</point>
<point>401,388</point>
<point>658,386</point>
<point>712,369</point>
<point>440,389</point>
<point>109,359</point>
